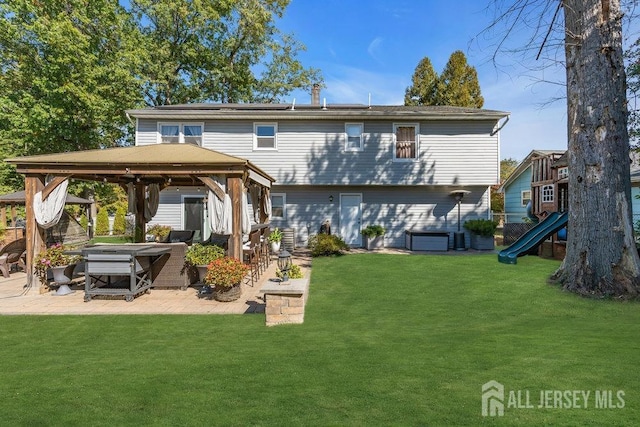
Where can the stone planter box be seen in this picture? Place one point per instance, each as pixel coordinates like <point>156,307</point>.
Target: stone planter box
<point>373,243</point>
<point>482,243</point>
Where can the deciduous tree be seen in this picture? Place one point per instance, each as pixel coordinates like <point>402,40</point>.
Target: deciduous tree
<point>226,51</point>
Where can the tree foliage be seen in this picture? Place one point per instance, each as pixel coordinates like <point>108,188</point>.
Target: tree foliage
<point>423,85</point>
<point>70,68</point>
<point>226,51</point>
<point>507,166</point>
<point>457,85</point>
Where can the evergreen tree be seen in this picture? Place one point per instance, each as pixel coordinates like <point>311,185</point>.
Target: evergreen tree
<point>424,83</point>
<point>458,84</point>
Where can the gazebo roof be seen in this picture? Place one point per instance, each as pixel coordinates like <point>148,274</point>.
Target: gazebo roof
<point>19,198</point>
<point>156,162</point>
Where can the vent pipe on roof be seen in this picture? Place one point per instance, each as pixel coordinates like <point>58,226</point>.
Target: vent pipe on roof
<point>315,94</point>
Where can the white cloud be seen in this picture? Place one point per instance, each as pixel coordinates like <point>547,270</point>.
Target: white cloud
<point>374,48</point>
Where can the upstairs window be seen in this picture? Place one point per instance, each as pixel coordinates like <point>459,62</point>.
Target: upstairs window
<point>180,133</point>
<point>563,173</point>
<point>405,138</point>
<point>547,193</point>
<point>353,133</point>
<point>525,197</point>
<point>264,136</point>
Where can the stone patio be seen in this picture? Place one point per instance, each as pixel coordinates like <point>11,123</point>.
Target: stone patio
<point>15,299</point>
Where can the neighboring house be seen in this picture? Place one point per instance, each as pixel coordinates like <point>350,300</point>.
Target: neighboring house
<point>353,165</point>
<point>531,181</point>
<point>635,193</point>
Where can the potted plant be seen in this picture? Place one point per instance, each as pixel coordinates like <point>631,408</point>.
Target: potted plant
<point>200,256</point>
<point>60,264</point>
<point>275,238</point>
<point>482,233</point>
<point>373,236</point>
<point>225,275</point>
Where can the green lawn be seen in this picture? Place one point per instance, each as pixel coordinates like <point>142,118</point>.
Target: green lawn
<point>387,340</point>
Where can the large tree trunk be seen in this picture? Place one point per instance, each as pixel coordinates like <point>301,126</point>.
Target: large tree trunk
<point>601,257</point>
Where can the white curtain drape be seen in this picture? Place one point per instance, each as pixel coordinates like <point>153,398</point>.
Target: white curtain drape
<point>220,212</point>
<point>152,201</point>
<point>246,216</point>
<point>265,203</point>
<point>48,212</point>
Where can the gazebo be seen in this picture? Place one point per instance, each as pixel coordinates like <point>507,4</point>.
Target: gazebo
<point>138,167</point>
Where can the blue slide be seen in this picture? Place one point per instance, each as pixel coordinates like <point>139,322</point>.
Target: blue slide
<point>534,237</point>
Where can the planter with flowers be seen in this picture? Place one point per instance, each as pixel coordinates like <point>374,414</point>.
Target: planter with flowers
<point>53,260</point>
<point>275,238</point>
<point>225,275</point>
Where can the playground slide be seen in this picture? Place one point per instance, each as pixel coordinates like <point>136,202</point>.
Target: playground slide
<point>534,237</point>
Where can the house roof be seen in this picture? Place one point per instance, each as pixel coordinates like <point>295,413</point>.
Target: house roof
<point>211,111</point>
<point>122,164</point>
<point>524,165</point>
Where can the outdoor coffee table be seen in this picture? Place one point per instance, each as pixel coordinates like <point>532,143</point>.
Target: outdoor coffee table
<point>120,270</point>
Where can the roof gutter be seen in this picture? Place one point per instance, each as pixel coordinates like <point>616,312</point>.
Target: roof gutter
<point>506,120</point>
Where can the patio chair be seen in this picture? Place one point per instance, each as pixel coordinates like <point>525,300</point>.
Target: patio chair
<point>251,257</point>
<point>221,240</point>
<point>13,254</point>
<point>184,236</point>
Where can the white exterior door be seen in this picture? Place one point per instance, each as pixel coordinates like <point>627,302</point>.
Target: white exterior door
<point>351,218</point>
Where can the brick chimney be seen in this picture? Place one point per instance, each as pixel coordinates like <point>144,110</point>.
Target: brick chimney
<point>315,94</point>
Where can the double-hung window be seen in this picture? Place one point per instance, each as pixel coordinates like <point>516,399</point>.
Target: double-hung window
<point>265,136</point>
<point>525,197</point>
<point>353,141</point>
<point>278,201</point>
<point>180,133</point>
<point>547,193</point>
<point>405,141</point>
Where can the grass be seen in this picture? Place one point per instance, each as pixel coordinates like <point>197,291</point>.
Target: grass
<point>387,340</point>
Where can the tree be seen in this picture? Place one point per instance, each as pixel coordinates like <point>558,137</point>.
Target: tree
<point>68,71</point>
<point>228,51</point>
<point>456,86</point>
<point>424,82</point>
<point>601,258</point>
<point>633,83</point>
<point>507,166</point>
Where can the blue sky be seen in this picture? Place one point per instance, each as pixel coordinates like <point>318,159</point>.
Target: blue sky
<point>373,47</point>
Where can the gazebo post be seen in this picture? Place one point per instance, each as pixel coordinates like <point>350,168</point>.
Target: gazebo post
<point>34,234</point>
<point>234,184</point>
<point>140,227</point>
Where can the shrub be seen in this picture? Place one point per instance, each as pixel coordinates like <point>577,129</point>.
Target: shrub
<point>482,227</point>
<point>159,231</point>
<point>326,245</point>
<point>199,254</point>
<point>295,272</point>
<point>102,223</point>
<point>84,221</point>
<point>373,231</point>
<point>119,222</point>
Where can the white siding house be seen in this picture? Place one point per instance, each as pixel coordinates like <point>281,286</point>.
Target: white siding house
<point>354,165</point>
